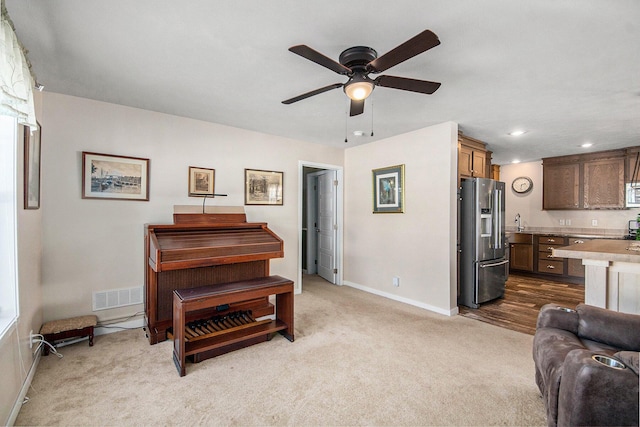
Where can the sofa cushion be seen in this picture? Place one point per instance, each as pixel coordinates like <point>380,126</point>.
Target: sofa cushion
<point>599,347</point>
<point>616,329</point>
<point>550,347</point>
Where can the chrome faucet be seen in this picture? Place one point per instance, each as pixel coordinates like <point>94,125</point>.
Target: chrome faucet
<point>519,223</point>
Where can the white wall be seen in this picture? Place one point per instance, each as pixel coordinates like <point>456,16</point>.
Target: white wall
<point>530,206</point>
<point>95,245</point>
<point>16,359</point>
<point>418,246</point>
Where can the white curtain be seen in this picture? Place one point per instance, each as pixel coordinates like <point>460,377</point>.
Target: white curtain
<point>16,83</point>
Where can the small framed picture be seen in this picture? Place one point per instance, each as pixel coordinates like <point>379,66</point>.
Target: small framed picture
<point>262,187</point>
<point>32,168</point>
<point>107,176</point>
<point>388,189</point>
<point>201,182</point>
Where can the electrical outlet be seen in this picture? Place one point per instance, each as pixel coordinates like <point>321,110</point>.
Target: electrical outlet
<point>567,222</point>
<point>396,281</point>
<point>561,222</point>
<point>594,222</point>
<point>31,338</point>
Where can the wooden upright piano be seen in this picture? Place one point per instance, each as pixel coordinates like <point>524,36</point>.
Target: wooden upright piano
<point>199,250</point>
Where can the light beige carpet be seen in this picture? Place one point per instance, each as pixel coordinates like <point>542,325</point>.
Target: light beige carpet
<point>358,359</point>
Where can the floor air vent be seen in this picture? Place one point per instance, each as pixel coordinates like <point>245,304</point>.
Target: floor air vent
<point>104,300</point>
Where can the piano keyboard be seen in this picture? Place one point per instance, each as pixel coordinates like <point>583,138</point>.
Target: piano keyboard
<point>218,325</point>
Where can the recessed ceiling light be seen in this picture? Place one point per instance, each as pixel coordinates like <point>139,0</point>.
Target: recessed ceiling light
<point>517,132</point>
<point>358,132</point>
<point>586,145</point>
<point>515,161</point>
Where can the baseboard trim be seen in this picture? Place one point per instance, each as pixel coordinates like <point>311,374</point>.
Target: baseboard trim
<point>452,312</point>
<point>23,391</point>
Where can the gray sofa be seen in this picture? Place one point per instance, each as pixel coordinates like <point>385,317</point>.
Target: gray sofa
<point>587,365</point>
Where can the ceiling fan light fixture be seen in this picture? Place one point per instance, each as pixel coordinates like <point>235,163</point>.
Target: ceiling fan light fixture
<point>358,88</point>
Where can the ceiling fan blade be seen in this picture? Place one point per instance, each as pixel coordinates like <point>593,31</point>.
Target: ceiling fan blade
<point>403,83</point>
<point>315,56</point>
<point>313,92</point>
<point>412,47</point>
<point>357,107</point>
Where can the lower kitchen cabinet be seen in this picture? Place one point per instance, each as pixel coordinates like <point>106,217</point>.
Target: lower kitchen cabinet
<point>532,254</point>
<point>547,263</point>
<point>563,269</point>
<point>521,252</point>
<point>574,266</point>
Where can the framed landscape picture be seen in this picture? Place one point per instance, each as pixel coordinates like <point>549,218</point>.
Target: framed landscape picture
<point>201,182</point>
<point>32,168</point>
<point>107,176</point>
<point>388,189</point>
<point>262,187</point>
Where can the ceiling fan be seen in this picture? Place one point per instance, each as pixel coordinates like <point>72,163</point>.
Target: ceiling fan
<point>360,61</point>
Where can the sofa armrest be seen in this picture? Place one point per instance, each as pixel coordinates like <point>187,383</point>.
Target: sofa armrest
<point>556,316</point>
<point>593,393</point>
<point>631,359</point>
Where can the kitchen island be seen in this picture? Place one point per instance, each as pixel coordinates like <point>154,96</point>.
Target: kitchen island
<point>612,272</point>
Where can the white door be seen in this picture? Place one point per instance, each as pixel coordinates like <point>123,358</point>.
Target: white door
<point>327,225</point>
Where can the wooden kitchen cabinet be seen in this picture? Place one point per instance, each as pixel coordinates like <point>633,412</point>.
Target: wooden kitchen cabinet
<point>585,181</point>
<point>474,160</point>
<point>574,265</point>
<point>560,185</point>
<point>547,263</point>
<point>604,184</point>
<point>632,164</point>
<point>521,252</point>
<point>495,172</point>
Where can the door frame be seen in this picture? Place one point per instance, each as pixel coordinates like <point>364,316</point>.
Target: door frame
<point>323,174</point>
<point>339,215</point>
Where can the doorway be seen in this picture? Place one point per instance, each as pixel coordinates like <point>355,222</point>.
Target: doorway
<point>320,231</point>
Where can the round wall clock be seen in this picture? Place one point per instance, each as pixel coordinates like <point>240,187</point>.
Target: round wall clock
<point>522,184</point>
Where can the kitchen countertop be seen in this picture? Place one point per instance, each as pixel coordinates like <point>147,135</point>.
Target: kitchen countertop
<point>602,249</point>
<point>578,234</point>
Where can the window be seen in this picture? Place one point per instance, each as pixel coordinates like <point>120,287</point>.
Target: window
<point>8,278</point>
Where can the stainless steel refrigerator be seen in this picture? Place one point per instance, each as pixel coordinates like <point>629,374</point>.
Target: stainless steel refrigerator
<point>483,254</point>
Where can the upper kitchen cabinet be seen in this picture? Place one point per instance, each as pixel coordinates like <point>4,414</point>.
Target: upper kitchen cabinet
<point>604,184</point>
<point>560,184</point>
<point>474,160</point>
<point>633,164</point>
<point>584,181</point>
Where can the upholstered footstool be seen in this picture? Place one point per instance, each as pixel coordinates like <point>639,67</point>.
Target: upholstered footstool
<point>81,326</point>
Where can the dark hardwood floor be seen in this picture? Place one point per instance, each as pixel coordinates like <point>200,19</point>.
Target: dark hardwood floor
<point>523,298</point>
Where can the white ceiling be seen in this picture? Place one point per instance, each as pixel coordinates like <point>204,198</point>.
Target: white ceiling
<point>567,71</point>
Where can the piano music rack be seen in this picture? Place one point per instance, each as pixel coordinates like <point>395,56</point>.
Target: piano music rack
<point>239,332</point>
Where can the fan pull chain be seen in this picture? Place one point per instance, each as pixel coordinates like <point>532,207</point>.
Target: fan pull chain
<point>371,103</point>
<point>346,118</point>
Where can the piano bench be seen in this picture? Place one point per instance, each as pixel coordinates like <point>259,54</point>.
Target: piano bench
<point>81,326</point>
